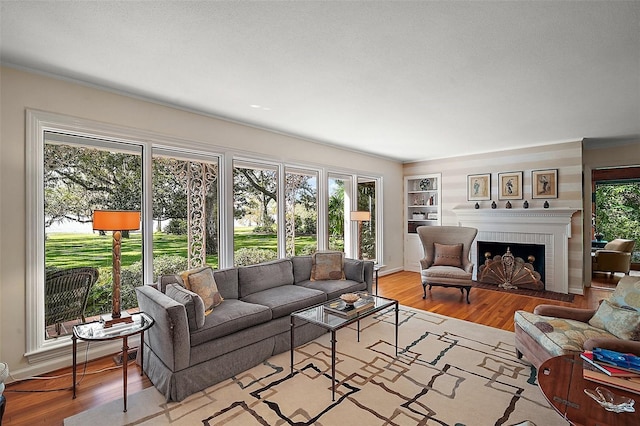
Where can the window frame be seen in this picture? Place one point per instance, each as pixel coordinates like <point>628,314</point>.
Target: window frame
<point>39,349</point>
<point>38,122</point>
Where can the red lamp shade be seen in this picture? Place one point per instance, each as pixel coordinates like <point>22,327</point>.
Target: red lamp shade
<point>116,220</point>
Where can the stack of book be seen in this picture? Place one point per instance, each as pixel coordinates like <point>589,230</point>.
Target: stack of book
<point>340,308</point>
<point>612,368</point>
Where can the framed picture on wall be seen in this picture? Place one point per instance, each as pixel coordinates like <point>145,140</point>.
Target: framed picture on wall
<point>544,183</point>
<point>479,187</point>
<point>510,186</point>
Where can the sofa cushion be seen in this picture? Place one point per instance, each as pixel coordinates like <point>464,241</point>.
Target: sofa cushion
<point>354,270</point>
<point>287,298</point>
<point>227,282</point>
<point>231,316</point>
<point>263,276</point>
<point>301,268</point>
<point>447,255</point>
<point>327,265</point>
<point>193,304</point>
<point>334,288</point>
<point>201,282</point>
<point>556,335</point>
<point>624,323</point>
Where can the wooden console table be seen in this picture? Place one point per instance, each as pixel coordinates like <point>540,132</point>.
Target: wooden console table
<point>561,382</point>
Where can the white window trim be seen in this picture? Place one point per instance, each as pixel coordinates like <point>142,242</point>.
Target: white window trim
<point>39,349</point>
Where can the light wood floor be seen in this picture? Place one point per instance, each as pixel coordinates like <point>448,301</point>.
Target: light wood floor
<point>39,402</point>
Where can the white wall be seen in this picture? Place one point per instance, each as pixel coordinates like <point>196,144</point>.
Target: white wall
<point>21,90</point>
<point>566,157</point>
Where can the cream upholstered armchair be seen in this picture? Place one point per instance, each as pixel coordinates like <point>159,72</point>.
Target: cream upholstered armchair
<point>614,257</point>
<point>446,257</point>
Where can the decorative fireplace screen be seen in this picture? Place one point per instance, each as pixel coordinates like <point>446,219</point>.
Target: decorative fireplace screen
<point>508,270</point>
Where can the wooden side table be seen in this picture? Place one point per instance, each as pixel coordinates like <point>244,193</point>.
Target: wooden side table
<point>560,380</point>
<point>95,331</point>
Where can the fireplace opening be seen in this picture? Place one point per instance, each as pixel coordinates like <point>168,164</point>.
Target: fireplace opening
<point>533,254</point>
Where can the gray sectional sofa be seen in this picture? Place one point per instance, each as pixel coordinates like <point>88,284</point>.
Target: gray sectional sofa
<point>187,351</point>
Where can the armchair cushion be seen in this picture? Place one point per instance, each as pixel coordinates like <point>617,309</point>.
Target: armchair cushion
<point>623,323</point>
<point>558,336</point>
<point>620,244</point>
<point>447,255</point>
<point>627,293</point>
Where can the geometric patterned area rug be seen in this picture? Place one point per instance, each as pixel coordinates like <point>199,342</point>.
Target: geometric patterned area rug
<point>551,295</point>
<point>447,372</point>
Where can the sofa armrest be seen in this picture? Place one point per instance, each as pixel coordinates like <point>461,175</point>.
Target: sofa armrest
<point>169,337</point>
<point>368,274</point>
<point>613,344</point>
<point>578,314</point>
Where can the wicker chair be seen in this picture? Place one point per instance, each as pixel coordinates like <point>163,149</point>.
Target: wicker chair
<point>66,293</point>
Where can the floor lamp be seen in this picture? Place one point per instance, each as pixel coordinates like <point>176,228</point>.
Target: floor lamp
<point>360,216</point>
<point>116,221</point>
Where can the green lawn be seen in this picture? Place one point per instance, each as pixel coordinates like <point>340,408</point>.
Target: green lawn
<point>94,250</point>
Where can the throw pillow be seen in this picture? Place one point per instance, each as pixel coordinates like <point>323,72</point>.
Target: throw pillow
<point>447,255</point>
<point>327,265</point>
<point>621,322</point>
<point>193,304</point>
<point>627,293</point>
<point>201,282</point>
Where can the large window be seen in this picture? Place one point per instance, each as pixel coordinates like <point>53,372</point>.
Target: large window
<point>83,174</point>
<point>367,229</point>
<point>75,167</point>
<point>255,205</point>
<point>616,207</point>
<point>339,207</point>
<point>185,212</point>
<point>301,206</point>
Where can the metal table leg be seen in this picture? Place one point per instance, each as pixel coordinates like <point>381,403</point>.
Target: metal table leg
<point>74,339</point>
<point>291,350</point>
<point>125,363</point>
<point>333,365</point>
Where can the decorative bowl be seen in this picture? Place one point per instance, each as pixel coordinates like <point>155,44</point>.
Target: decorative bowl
<point>350,298</point>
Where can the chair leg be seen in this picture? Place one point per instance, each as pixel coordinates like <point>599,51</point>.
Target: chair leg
<point>424,290</point>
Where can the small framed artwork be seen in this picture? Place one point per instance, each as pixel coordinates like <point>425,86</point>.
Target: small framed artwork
<point>479,187</point>
<point>510,186</point>
<point>544,183</point>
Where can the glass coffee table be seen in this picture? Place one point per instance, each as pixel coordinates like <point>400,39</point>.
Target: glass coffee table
<point>330,316</point>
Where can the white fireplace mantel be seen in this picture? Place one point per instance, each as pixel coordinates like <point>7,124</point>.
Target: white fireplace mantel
<point>550,227</point>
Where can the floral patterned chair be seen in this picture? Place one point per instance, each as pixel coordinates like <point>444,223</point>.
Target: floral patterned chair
<point>558,330</point>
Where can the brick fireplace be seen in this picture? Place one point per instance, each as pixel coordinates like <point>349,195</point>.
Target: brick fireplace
<point>548,227</point>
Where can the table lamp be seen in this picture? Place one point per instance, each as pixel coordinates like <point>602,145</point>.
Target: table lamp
<point>360,216</point>
<point>116,221</point>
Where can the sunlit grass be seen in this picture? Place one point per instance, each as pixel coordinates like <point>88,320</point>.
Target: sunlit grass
<point>69,250</point>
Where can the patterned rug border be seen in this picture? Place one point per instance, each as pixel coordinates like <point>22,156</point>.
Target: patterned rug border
<point>551,295</point>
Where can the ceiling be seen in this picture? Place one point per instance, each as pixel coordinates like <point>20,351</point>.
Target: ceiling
<point>403,80</point>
